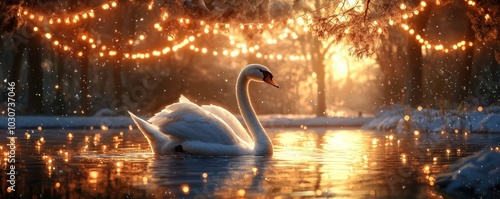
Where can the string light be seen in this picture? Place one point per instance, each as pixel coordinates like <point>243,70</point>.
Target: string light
<point>426,44</point>
<point>303,21</point>
<point>73,19</point>
<point>215,29</point>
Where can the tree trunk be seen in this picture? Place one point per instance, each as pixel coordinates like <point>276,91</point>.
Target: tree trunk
<point>59,103</point>
<point>17,65</point>
<point>413,93</point>
<point>465,69</point>
<point>84,84</point>
<point>319,69</point>
<point>35,76</point>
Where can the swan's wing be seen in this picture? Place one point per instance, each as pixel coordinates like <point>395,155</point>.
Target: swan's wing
<point>185,121</point>
<point>232,121</point>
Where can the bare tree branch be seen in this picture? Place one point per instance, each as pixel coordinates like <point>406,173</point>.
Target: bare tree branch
<point>366,9</point>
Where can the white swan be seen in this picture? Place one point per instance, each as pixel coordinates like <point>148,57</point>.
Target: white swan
<point>210,130</point>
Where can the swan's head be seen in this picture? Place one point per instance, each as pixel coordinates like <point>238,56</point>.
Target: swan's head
<point>259,73</point>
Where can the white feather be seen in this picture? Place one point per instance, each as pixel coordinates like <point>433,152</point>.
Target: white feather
<point>209,129</point>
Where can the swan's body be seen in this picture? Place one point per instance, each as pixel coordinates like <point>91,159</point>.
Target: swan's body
<point>210,130</point>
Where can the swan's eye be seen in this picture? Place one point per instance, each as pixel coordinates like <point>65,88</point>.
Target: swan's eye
<point>266,74</point>
<point>268,78</point>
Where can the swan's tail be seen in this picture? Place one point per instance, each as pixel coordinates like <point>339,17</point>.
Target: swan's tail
<point>157,140</point>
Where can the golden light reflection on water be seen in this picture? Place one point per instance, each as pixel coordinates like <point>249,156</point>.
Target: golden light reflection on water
<point>298,145</point>
<point>339,153</point>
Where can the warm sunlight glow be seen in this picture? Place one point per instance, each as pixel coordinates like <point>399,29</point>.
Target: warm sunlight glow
<point>343,65</point>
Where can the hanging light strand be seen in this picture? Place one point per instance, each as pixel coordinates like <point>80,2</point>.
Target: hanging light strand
<point>70,19</point>
<point>303,21</point>
<point>425,43</point>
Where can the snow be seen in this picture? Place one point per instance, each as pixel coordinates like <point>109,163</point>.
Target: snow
<point>124,121</point>
<point>477,173</point>
<point>433,120</point>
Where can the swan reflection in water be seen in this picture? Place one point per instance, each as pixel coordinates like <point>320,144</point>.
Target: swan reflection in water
<point>210,177</point>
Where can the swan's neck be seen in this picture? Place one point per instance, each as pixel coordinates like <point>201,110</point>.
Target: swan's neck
<point>263,145</point>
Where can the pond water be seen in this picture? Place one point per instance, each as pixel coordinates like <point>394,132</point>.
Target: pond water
<point>312,163</point>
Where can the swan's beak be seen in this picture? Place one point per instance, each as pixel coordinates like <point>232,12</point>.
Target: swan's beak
<point>268,80</point>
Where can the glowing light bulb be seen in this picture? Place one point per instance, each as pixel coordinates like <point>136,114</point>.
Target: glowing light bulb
<point>166,50</point>
<point>402,6</point>
<point>406,118</point>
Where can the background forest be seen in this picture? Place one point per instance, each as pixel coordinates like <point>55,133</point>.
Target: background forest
<point>331,58</point>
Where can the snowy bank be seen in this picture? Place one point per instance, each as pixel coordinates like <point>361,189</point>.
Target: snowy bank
<point>402,118</point>
<point>124,122</point>
<point>476,174</point>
